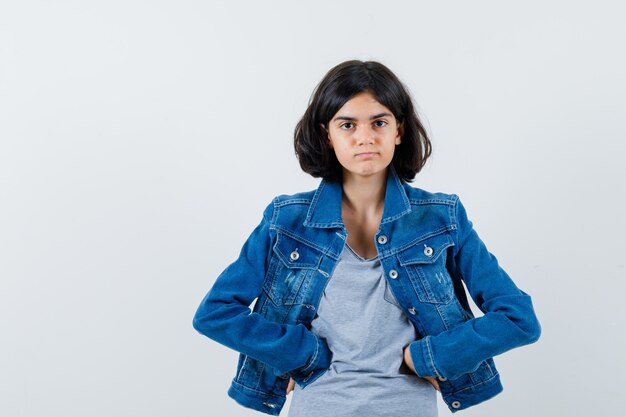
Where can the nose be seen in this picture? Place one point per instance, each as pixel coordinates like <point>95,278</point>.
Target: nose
<point>364,135</point>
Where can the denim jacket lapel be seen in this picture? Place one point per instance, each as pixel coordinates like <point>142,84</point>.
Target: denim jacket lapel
<point>325,209</point>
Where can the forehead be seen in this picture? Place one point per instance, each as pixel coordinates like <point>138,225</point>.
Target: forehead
<point>363,104</point>
<point>362,100</point>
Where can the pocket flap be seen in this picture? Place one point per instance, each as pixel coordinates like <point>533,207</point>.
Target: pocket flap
<point>426,251</point>
<point>295,254</point>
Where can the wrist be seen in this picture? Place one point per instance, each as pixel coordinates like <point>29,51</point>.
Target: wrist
<point>407,358</point>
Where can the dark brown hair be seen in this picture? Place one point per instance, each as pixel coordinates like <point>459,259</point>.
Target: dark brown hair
<point>339,85</point>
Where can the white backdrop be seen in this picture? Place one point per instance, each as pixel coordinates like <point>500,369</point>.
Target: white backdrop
<point>140,140</point>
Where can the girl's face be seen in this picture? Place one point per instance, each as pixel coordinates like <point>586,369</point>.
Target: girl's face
<point>364,135</point>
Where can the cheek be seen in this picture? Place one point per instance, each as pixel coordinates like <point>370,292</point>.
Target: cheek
<point>343,156</point>
<point>339,146</point>
<point>340,153</point>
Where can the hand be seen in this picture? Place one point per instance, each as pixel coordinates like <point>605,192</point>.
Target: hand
<point>290,386</point>
<point>409,362</point>
<point>433,382</point>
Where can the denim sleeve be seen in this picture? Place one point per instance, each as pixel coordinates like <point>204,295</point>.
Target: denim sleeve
<point>224,314</point>
<point>509,319</point>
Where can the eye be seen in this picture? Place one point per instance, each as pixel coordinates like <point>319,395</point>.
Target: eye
<point>347,125</point>
<point>380,123</point>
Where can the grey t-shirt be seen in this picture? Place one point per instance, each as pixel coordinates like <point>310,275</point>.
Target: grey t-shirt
<point>366,331</point>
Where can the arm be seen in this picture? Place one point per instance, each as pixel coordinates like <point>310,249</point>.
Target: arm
<point>224,315</point>
<point>509,319</point>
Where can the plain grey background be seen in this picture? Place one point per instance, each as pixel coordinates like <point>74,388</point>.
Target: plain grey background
<point>140,141</point>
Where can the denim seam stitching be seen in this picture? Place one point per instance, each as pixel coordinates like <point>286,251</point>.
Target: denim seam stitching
<point>476,385</point>
<point>274,211</point>
<point>301,239</point>
<point>239,385</point>
<point>453,217</point>
<point>324,225</point>
<point>314,358</point>
<point>427,201</point>
<point>397,216</point>
<point>405,199</point>
<point>430,356</point>
<point>431,260</point>
<point>415,280</point>
<point>243,366</point>
<point>309,214</point>
<point>442,315</point>
<point>291,201</point>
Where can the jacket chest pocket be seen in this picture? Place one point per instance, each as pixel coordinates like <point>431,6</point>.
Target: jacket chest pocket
<point>425,264</point>
<point>293,265</point>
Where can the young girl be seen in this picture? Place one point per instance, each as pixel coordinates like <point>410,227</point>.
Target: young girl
<point>360,305</point>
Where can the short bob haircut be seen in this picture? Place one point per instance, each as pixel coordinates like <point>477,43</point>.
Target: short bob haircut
<point>338,86</point>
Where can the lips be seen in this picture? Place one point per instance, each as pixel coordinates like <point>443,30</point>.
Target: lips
<point>365,154</point>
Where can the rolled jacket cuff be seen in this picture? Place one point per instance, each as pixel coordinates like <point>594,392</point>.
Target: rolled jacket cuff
<point>317,365</point>
<point>422,357</point>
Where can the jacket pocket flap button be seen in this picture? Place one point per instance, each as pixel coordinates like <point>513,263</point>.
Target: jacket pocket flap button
<point>428,251</point>
<point>294,255</point>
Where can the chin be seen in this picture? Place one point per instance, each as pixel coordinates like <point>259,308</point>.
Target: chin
<point>371,172</point>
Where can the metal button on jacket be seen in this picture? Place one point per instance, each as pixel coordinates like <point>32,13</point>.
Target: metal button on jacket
<point>412,310</point>
<point>456,404</point>
<point>428,251</point>
<point>382,239</point>
<point>393,274</point>
<point>294,255</point>
<point>442,378</point>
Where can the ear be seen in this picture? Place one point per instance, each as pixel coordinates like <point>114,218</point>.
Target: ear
<point>327,134</point>
<point>400,133</point>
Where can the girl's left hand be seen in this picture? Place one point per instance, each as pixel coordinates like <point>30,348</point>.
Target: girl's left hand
<point>409,362</point>
<point>290,386</point>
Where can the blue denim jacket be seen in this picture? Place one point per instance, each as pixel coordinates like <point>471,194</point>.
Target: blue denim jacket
<point>428,249</point>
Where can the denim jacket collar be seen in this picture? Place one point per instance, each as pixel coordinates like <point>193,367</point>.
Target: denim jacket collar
<point>325,209</point>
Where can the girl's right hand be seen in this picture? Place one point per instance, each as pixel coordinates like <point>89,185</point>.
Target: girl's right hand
<point>409,362</point>
<point>433,381</point>
<point>291,385</point>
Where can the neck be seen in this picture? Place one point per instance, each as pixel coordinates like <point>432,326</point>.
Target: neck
<point>364,195</point>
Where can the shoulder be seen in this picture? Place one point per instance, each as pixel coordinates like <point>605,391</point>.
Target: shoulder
<point>296,205</point>
<point>445,206</point>
<point>301,198</point>
<point>419,196</point>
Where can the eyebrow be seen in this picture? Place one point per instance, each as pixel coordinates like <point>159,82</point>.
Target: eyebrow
<point>376,116</point>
